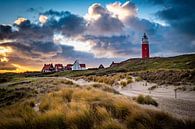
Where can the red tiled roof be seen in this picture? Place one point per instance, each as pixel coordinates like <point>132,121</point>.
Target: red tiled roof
<point>47,67</point>
<point>58,65</point>
<point>68,65</point>
<point>82,65</point>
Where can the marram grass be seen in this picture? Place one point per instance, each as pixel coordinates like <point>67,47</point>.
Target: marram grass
<point>86,108</point>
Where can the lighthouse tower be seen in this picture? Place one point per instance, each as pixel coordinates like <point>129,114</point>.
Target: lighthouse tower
<point>145,47</point>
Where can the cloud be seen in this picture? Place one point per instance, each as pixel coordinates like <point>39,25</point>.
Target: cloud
<point>101,22</point>
<point>6,66</point>
<point>105,33</point>
<point>20,21</point>
<point>5,30</point>
<point>179,14</point>
<point>128,9</point>
<point>65,22</point>
<point>43,19</point>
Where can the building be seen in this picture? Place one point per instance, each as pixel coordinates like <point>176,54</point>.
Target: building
<point>101,67</point>
<point>114,64</point>
<point>68,67</point>
<point>75,66</point>
<point>48,68</point>
<point>145,47</point>
<point>59,67</point>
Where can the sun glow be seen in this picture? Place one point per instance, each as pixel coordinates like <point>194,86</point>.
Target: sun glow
<point>4,51</point>
<point>20,68</point>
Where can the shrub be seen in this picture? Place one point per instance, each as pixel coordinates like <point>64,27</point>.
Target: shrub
<point>123,83</point>
<point>181,88</point>
<point>146,100</point>
<point>129,80</point>
<point>153,87</point>
<point>138,79</point>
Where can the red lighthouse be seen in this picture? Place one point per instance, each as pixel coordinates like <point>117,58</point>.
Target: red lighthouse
<point>145,47</point>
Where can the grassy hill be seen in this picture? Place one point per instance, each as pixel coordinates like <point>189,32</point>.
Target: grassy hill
<point>162,70</point>
<point>182,62</point>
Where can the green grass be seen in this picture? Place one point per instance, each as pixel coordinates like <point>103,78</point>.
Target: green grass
<point>176,70</point>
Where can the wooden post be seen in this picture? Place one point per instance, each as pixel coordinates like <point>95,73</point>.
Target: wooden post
<point>175,93</point>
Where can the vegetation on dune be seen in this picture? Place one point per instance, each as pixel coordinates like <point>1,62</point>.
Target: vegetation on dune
<point>146,100</point>
<point>123,83</point>
<point>19,90</point>
<point>171,77</point>
<point>162,70</point>
<point>122,79</point>
<point>86,108</point>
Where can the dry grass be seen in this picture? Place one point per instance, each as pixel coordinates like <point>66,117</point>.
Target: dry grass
<point>20,90</point>
<point>110,79</point>
<point>86,108</point>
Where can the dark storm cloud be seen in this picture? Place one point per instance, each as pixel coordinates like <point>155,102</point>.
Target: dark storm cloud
<point>178,13</point>
<point>65,22</point>
<point>5,30</point>
<point>114,46</point>
<point>45,47</point>
<point>142,25</point>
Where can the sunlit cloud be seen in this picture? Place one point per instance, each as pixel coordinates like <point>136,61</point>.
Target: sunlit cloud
<point>20,20</point>
<point>7,41</point>
<point>43,19</point>
<point>83,46</point>
<point>122,11</point>
<point>4,51</point>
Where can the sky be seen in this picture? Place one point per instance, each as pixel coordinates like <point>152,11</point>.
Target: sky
<point>36,32</point>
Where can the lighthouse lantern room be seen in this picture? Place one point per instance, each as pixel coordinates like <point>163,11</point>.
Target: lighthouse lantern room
<point>145,47</point>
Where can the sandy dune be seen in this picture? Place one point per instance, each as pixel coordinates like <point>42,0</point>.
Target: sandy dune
<point>183,106</point>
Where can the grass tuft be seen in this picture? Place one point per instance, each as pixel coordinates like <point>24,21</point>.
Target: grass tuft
<point>146,100</point>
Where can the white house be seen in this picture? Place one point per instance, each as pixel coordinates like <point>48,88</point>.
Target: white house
<point>77,66</point>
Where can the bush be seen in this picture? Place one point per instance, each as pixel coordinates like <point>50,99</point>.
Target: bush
<point>138,79</point>
<point>129,80</point>
<point>123,83</point>
<point>146,100</point>
<point>153,87</point>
